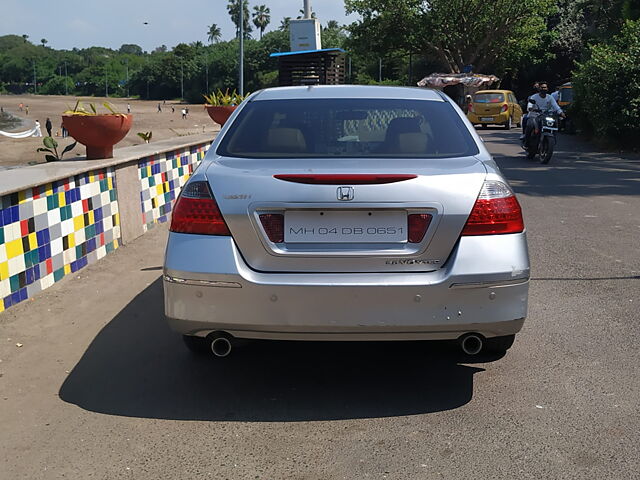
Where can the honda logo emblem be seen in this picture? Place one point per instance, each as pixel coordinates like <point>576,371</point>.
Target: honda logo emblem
<point>345,193</point>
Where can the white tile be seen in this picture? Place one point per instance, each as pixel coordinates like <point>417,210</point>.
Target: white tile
<point>5,289</point>
<point>39,206</point>
<point>76,209</point>
<point>80,236</point>
<point>16,265</point>
<point>56,246</point>
<point>3,253</point>
<point>54,216</point>
<point>69,256</point>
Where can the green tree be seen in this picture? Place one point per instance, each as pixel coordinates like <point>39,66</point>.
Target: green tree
<point>284,24</point>
<point>213,34</point>
<point>233,7</point>
<point>25,37</point>
<point>607,87</point>
<point>130,49</point>
<point>457,32</point>
<point>261,17</point>
<point>44,42</point>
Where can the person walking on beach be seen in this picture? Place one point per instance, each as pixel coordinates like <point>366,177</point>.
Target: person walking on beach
<point>26,109</point>
<point>184,114</point>
<point>20,106</point>
<point>159,108</point>
<point>65,134</point>
<point>128,108</point>
<point>48,126</point>
<point>38,132</point>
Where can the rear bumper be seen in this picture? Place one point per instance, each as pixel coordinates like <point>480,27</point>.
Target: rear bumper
<point>497,119</point>
<point>483,288</point>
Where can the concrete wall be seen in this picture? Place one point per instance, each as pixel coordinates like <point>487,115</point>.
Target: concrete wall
<point>57,218</point>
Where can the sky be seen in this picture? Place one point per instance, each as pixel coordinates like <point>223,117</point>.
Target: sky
<point>85,23</point>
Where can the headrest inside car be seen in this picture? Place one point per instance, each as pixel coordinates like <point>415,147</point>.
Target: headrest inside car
<point>412,143</point>
<point>286,140</point>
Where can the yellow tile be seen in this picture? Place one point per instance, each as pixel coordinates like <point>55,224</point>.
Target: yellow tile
<point>92,219</point>
<point>22,197</point>
<point>110,183</point>
<point>4,271</point>
<point>61,200</point>
<point>14,248</point>
<point>67,269</point>
<point>72,240</point>
<point>92,178</point>
<point>48,189</point>
<point>117,220</point>
<point>115,243</point>
<point>1,307</point>
<point>159,189</point>
<point>33,241</point>
<point>78,222</point>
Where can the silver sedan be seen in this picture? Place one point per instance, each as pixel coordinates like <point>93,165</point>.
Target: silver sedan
<point>347,213</point>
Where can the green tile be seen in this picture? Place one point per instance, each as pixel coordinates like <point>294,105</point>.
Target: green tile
<point>1,235</point>
<point>14,282</point>
<point>112,195</point>
<point>109,247</point>
<point>58,274</point>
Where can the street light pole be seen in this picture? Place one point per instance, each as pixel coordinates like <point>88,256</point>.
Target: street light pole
<point>66,86</point>
<point>206,69</point>
<point>380,70</point>
<point>241,79</point>
<point>127,65</point>
<point>106,85</point>
<point>181,80</point>
<point>35,84</point>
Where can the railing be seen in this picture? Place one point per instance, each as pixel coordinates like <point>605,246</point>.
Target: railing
<point>57,218</point>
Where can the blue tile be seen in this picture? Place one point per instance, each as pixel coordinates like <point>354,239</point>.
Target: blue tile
<point>74,266</point>
<point>7,302</point>
<point>42,253</point>
<point>23,294</point>
<point>36,272</point>
<point>15,298</point>
<point>91,244</point>
<point>99,228</point>
<point>97,214</point>
<point>29,276</point>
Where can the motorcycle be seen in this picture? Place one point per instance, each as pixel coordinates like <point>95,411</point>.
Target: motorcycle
<point>542,136</point>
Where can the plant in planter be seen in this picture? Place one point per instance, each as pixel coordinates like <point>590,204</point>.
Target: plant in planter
<point>221,105</point>
<point>98,132</point>
<point>52,149</point>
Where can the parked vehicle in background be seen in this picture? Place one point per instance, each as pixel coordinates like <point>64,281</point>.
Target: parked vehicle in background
<point>495,107</point>
<point>565,99</point>
<point>347,213</point>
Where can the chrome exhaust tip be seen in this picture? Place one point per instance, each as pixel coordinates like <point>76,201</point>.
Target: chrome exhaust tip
<point>471,343</point>
<point>221,345</point>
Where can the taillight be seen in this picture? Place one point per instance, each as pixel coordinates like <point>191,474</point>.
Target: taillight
<point>418,225</point>
<point>504,108</point>
<point>196,211</point>
<point>273,224</point>
<point>496,211</point>
<point>471,107</point>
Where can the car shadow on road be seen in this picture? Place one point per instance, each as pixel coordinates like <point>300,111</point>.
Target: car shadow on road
<point>137,367</point>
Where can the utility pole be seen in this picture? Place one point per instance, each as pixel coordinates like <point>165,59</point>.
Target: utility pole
<point>241,79</point>
<point>410,68</point>
<point>66,87</point>
<point>350,79</point>
<point>35,84</point>
<point>126,60</point>
<point>181,80</point>
<point>380,70</point>
<point>106,84</point>
<point>206,69</point>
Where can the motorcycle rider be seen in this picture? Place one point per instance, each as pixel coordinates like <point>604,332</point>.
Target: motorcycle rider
<point>542,102</point>
<point>525,117</point>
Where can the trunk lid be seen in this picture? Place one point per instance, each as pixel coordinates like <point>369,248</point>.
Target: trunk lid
<point>327,233</point>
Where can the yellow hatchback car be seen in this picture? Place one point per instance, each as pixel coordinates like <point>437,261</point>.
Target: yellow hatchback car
<point>494,107</point>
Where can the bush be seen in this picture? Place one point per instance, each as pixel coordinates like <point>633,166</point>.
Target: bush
<point>607,88</point>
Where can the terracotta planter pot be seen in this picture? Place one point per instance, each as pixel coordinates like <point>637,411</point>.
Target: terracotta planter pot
<point>220,114</point>
<point>99,133</point>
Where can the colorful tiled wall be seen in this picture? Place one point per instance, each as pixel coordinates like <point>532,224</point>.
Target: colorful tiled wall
<point>161,177</point>
<point>49,231</point>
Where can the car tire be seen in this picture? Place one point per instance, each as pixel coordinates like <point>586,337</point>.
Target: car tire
<point>499,344</point>
<point>197,345</point>
<point>508,124</point>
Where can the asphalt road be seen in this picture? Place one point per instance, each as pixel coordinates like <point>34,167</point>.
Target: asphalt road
<point>101,388</point>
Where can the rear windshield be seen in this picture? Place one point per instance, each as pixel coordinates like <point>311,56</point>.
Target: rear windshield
<point>488,98</point>
<point>348,128</point>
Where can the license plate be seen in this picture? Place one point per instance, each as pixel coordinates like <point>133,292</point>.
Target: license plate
<point>345,226</point>
<point>486,119</point>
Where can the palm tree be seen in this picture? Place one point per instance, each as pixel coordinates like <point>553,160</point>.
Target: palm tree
<point>284,24</point>
<point>25,37</point>
<point>313,14</point>
<point>233,7</point>
<point>261,17</point>
<point>214,33</point>
<point>333,25</point>
<point>43,41</point>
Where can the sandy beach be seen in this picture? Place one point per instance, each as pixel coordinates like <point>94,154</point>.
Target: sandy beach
<point>165,124</point>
